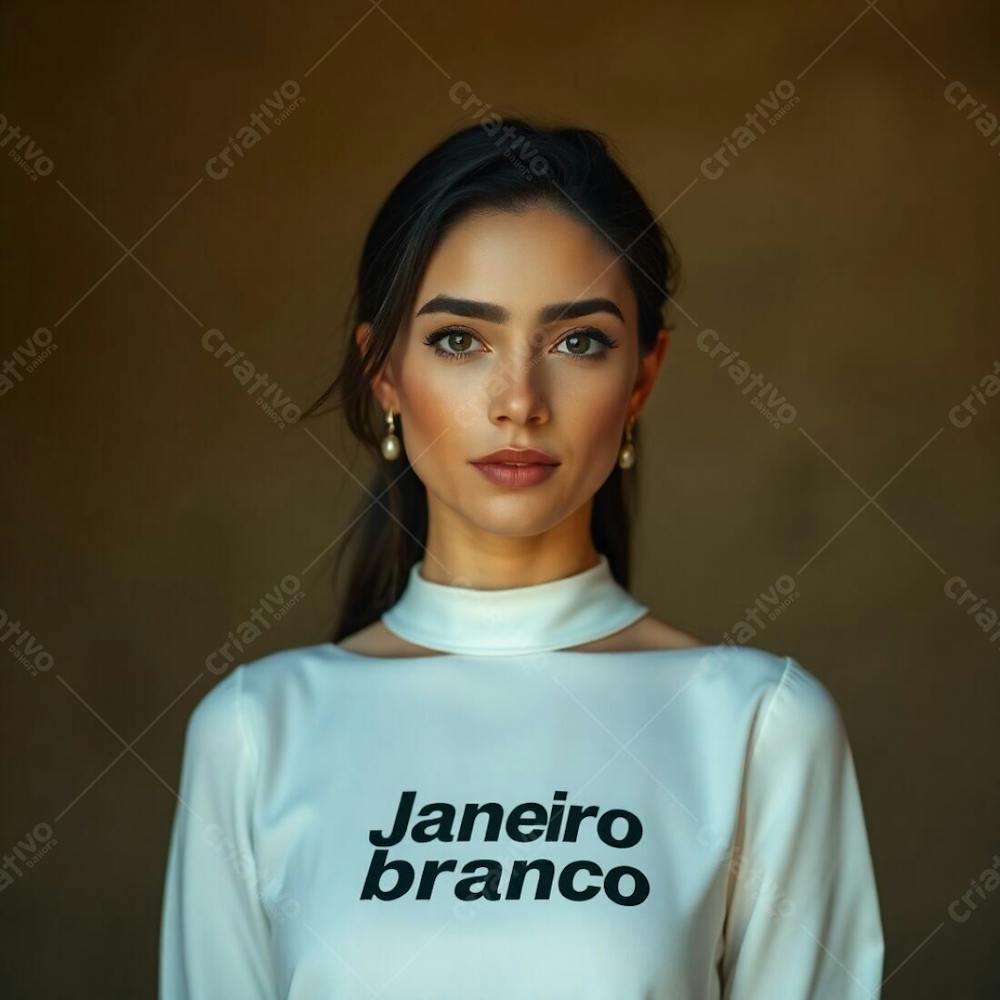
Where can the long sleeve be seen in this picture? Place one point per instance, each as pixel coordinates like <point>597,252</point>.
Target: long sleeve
<point>803,921</point>
<point>214,935</point>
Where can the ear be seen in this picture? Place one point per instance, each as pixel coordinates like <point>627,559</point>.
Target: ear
<point>383,382</point>
<point>649,368</point>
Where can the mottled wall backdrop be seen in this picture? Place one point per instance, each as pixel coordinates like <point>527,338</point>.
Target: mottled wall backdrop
<point>182,182</point>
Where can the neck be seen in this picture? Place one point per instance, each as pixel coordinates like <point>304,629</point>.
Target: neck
<point>504,572</point>
<point>460,555</point>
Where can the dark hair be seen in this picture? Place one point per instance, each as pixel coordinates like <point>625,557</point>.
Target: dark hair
<point>508,165</point>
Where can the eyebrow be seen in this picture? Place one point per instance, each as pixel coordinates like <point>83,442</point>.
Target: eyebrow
<point>493,313</point>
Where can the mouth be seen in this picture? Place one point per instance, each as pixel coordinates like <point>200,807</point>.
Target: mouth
<point>516,467</point>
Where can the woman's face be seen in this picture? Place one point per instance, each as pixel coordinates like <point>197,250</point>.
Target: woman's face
<point>485,363</point>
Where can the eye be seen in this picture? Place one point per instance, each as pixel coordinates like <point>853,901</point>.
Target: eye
<point>580,340</point>
<point>455,337</point>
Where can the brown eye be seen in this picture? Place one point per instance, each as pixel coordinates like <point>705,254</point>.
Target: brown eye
<point>574,342</point>
<point>579,343</point>
<point>455,340</point>
<point>458,341</point>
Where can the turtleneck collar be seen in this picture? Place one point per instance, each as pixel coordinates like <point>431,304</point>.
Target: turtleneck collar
<point>536,618</point>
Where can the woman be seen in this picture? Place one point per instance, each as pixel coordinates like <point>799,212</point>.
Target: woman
<point>504,777</point>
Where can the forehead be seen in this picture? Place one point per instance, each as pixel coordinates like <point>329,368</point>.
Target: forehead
<point>524,260</point>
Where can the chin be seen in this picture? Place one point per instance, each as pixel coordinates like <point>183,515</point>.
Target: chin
<point>517,516</point>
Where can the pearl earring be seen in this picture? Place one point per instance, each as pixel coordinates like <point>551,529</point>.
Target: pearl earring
<point>626,454</point>
<point>391,447</point>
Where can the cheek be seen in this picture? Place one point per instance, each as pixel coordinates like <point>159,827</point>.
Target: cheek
<point>437,417</point>
<point>593,429</point>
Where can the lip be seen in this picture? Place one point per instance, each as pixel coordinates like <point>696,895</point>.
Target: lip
<point>533,466</point>
<point>515,475</point>
<point>531,456</point>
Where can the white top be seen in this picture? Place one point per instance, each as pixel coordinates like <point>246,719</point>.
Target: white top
<point>681,824</point>
<point>556,614</point>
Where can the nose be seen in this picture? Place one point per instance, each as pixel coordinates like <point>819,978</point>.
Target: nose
<point>516,391</point>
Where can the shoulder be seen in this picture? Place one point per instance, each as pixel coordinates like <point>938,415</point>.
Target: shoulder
<point>794,712</point>
<point>215,735</point>
<point>781,701</point>
<point>216,710</point>
<point>248,691</point>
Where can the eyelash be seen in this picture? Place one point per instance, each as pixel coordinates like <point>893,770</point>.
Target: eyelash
<point>590,331</point>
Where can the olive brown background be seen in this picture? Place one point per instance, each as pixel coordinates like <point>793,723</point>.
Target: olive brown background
<point>849,253</point>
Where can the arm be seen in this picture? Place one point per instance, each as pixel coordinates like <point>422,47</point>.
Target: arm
<point>214,936</point>
<point>803,921</point>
